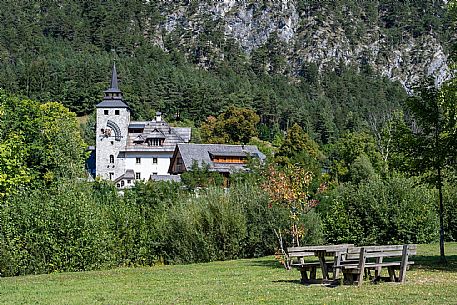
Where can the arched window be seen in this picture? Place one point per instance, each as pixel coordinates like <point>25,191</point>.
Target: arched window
<point>111,159</point>
<point>115,128</point>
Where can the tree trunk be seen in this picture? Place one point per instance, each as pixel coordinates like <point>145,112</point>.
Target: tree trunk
<point>440,191</point>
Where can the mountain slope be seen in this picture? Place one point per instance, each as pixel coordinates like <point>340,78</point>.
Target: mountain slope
<point>327,65</point>
<point>403,41</point>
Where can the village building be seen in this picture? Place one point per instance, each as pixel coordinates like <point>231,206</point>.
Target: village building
<point>222,158</point>
<point>126,150</point>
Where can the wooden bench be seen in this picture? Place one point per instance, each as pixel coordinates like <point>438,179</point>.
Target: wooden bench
<point>358,261</point>
<point>304,259</point>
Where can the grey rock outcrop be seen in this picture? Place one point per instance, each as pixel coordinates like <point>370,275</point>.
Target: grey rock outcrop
<point>309,35</point>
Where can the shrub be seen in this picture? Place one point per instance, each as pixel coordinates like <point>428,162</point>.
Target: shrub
<point>75,225</point>
<point>59,229</point>
<point>220,224</point>
<point>205,228</point>
<point>380,212</point>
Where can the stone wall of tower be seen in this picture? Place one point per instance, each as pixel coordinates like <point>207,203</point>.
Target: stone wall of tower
<point>108,144</point>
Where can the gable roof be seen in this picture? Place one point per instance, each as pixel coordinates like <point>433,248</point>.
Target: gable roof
<point>202,154</point>
<point>129,174</point>
<point>157,130</point>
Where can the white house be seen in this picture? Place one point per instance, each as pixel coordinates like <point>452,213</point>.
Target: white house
<point>127,151</point>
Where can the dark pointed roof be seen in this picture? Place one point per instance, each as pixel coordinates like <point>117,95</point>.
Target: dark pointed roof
<point>114,77</point>
<point>113,95</point>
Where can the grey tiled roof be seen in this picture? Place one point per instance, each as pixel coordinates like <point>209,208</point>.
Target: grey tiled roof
<point>160,130</point>
<point>136,125</point>
<point>114,82</point>
<point>175,178</point>
<point>129,174</point>
<point>112,104</point>
<point>202,154</point>
<point>184,132</point>
<point>155,134</point>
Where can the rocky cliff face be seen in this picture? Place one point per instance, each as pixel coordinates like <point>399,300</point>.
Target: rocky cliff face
<point>368,36</point>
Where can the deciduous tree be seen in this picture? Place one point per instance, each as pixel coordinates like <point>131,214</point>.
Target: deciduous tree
<point>234,126</point>
<point>299,149</point>
<point>288,188</point>
<point>432,140</point>
<point>38,141</point>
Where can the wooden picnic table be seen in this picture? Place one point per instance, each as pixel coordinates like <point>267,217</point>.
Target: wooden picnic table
<point>353,262</point>
<point>321,252</point>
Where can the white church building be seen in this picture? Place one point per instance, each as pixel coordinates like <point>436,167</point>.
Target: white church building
<point>126,150</point>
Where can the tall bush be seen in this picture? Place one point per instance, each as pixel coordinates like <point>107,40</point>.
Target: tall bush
<point>222,224</point>
<point>398,210</point>
<point>76,225</point>
<point>59,229</point>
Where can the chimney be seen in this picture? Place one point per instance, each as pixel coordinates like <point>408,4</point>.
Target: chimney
<point>158,116</point>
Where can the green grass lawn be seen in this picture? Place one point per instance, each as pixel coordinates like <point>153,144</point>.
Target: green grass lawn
<point>248,281</point>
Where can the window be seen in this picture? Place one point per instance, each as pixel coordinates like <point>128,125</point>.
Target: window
<point>137,176</point>
<point>154,160</point>
<point>179,161</point>
<point>129,181</point>
<point>106,112</point>
<point>157,142</point>
<point>229,159</point>
<point>122,183</point>
<point>111,176</point>
<point>138,160</point>
<point>116,112</point>
<point>136,130</point>
<point>154,174</point>
<point>111,159</point>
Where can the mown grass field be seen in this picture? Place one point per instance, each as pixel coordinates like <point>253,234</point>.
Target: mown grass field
<point>247,281</point>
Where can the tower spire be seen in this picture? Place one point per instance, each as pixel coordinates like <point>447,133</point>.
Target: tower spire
<point>114,83</point>
<point>113,92</point>
<point>113,95</point>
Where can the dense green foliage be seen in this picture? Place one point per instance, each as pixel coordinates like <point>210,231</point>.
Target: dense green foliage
<point>363,152</point>
<point>63,52</point>
<point>38,142</point>
<point>201,176</point>
<point>83,226</point>
<point>233,126</point>
<point>380,212</point>
<point>54,230</point>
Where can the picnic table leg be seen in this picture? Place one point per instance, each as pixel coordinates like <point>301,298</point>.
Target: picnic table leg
<point>348,278</point>
<point>361,267</point>
<point>377,273</point>
<point>304,277</point>
<point>312,273</point>
<point>336,262</point>
<point>323,267</point>
<point>404,264</point>
<point>391,273</point>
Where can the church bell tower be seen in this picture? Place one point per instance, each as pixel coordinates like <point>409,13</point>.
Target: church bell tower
<point>113,118</point>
